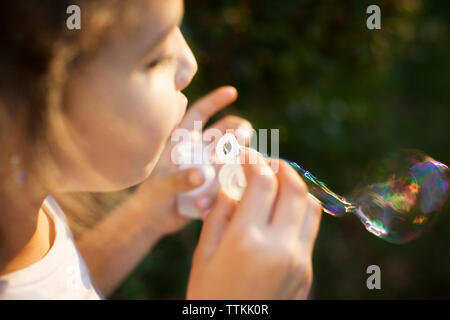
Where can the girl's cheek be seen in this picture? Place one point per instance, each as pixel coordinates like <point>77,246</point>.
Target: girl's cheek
<point>165,102</point>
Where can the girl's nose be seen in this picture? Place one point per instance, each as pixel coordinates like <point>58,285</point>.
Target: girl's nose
<point>187,67</point>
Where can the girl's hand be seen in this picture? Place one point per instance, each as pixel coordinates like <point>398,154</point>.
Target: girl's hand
<point>156,196</point>
<point>261,247</point>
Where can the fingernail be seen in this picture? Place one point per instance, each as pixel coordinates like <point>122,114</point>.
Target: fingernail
<point>232,92</point>
<point>196,135</point>
<point>245,132</point>
<point>196,178</point>
<point>204,202</point>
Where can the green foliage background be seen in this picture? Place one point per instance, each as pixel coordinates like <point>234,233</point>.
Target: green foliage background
<point>341,95</point>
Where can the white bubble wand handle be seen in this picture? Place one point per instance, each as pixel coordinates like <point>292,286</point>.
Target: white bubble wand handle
<point>193,154</point>
<point>231,175</point>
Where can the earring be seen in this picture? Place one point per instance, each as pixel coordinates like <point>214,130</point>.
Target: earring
<point>20,175</point>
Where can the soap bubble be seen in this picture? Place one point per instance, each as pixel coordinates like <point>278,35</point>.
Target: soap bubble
<point>402,195</point>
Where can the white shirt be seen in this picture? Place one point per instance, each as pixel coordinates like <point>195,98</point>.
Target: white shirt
<point>60,274</point>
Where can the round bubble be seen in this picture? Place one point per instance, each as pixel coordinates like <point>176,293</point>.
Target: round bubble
<point>402,195</point>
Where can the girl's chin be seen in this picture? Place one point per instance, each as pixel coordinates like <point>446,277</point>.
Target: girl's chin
<point>146,170</point>
<point>131,179</point>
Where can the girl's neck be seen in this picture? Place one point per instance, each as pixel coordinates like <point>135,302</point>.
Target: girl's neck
<point>34,249</point>
<point>26,232</point>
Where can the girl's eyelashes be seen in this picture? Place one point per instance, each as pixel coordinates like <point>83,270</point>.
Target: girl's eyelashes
<point>153,63</point>
<point>162,60</point>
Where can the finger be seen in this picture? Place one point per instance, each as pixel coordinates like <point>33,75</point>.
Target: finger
<point>182,181</point>
<point>292,200</point>
<point>206,107</point>
<point>311,224</point>
<point>214,225</point>
<point>259,196</point>
<point>240,127</point>
<point>206,200</point>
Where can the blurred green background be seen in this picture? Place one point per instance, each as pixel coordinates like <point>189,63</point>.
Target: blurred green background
<point>341,95</point>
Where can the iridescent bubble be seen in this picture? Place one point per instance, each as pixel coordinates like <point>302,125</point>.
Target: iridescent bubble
<point>402,195</point>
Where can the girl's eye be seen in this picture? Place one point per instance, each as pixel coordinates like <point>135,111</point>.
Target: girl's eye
<point>158,62</point>
<point>153,64</point>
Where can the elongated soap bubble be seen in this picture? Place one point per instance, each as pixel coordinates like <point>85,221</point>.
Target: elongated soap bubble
<point>332,203</point>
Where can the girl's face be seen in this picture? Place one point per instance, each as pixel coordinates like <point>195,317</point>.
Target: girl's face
<point>123,103</point>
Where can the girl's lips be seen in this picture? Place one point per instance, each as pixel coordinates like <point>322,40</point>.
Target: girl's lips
<point>184,104</point>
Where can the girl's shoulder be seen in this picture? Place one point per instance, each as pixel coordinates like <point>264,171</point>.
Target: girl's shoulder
<point>60,274</point>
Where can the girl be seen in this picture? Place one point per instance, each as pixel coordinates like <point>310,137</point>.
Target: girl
<point>92,110</point>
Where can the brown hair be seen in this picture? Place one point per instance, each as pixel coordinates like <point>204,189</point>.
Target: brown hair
<point>37,55</point>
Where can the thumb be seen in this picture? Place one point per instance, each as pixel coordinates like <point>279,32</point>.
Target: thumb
<point>183,180</point>
<point>214,225</point>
